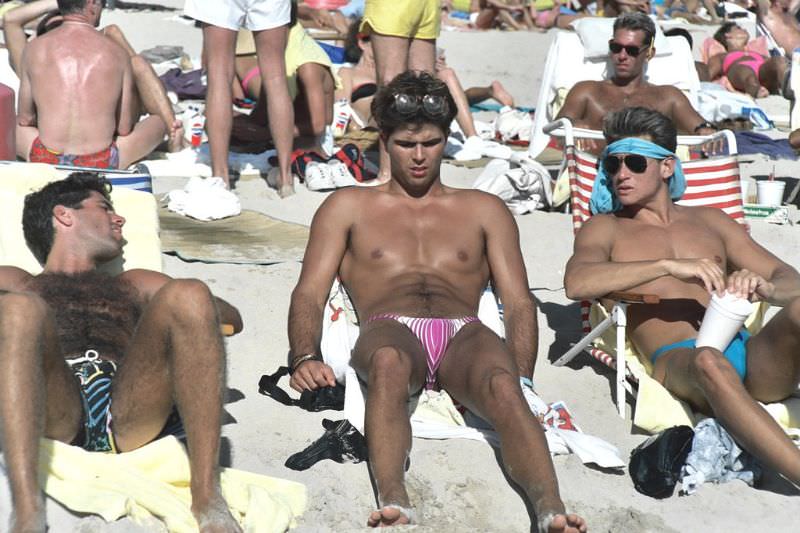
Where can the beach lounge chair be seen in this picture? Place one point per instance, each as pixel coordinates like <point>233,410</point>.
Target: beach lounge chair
<point>142,248</point>
<point>709,182</point>
<point>583,55</point>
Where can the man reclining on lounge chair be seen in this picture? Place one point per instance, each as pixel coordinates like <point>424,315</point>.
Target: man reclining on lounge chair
<point>415,257</point>
<point>630,48</point>
<point>65,333</point>
<point>646,243</point>
<point>76,97</point>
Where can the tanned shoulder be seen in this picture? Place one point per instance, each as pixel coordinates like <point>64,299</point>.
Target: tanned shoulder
<point>13,279</point>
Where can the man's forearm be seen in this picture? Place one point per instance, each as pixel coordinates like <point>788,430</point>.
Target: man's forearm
<point>305,326</point>
<point>522,334</point>
<point>594,280</point>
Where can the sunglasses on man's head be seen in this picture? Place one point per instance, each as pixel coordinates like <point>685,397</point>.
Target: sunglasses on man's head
<point>636,163</point>
<point>433,104</point>
<point>633,51</point>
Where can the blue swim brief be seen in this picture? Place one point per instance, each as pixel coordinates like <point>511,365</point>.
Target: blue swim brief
<point>735,353</point>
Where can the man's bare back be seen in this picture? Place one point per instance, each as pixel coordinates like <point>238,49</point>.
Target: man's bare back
<point>97,71</point>
<point>418,260</point>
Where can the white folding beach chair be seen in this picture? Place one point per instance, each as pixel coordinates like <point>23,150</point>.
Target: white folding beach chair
<point>583,55</point>
<point>709,182</point>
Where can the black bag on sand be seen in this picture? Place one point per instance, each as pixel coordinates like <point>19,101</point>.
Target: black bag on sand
<point>656,463</point>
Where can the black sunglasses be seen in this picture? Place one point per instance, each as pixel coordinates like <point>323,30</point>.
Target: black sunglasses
<point>408,104</point>
<point>636,163</point>
<point>633,51</point>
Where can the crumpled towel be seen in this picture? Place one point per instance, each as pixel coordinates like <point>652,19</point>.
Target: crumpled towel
<point>523,189</point>
<point>153,481</point>
<point>716,457</point>
<point>204,199</point>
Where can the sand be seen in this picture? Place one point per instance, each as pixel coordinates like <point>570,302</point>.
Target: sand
<point>456,485</point>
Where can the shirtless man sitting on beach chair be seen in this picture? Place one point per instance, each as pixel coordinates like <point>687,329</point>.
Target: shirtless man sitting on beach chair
<point>646,243</point>
<point>65,333</point>
<point>77,103</point>
<point>630,48</point>
<point>415,257</point>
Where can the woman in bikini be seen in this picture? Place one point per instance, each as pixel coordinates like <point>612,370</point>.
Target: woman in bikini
<point>750,72</point>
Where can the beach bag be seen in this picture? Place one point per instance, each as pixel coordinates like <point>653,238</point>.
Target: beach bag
<point>655,465</point>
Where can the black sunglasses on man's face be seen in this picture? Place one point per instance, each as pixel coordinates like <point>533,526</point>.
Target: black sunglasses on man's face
<point>632,50</point>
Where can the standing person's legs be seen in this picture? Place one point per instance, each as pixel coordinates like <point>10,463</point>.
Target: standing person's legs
<point>271,50</point>
<point>390,359</point>
<point>38,397</point>
<point>480,373</point>
<point>177,357</point>
<point>218,48</point>
<point>391,58</point>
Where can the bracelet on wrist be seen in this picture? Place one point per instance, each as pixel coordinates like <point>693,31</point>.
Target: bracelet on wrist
<point>297,361</point>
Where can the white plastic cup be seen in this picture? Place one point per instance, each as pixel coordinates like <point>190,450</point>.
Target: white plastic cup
<point>770,192</point>
<point>724,317</point>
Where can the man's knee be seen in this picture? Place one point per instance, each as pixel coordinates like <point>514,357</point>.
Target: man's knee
<point>389,365</point>
<point>500,386</point>
<point>187,298</point>
<point>139,65</point>
<point>711,369</point>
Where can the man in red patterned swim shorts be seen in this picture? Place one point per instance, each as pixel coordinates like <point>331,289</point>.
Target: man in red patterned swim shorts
<point>77,97</point>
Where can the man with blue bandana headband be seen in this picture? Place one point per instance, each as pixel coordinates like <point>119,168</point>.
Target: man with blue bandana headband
<point>641,241</point>
<point>603,199</point>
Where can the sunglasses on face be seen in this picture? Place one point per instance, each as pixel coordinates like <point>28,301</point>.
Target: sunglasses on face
<point>636,163</point>
<point>633,51</point>
<point>409,104</point>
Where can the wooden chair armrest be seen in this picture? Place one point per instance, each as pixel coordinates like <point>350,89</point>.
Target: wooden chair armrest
<point>633,297</point>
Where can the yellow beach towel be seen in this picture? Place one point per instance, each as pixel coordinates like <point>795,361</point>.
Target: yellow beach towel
<point>153,481</point>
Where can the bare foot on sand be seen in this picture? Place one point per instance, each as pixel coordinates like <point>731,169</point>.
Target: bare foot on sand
<point>216,518</point>
<point>285,190</point>
<point>500,94</point>
<point>176,142</point>
<point>558,523</point>
<point>390,515</point>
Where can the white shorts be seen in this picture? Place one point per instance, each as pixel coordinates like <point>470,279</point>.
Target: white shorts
<point>236,14</point>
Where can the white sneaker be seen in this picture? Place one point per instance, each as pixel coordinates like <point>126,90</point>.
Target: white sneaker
<point>340,176</point>
<point>319,177</point>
